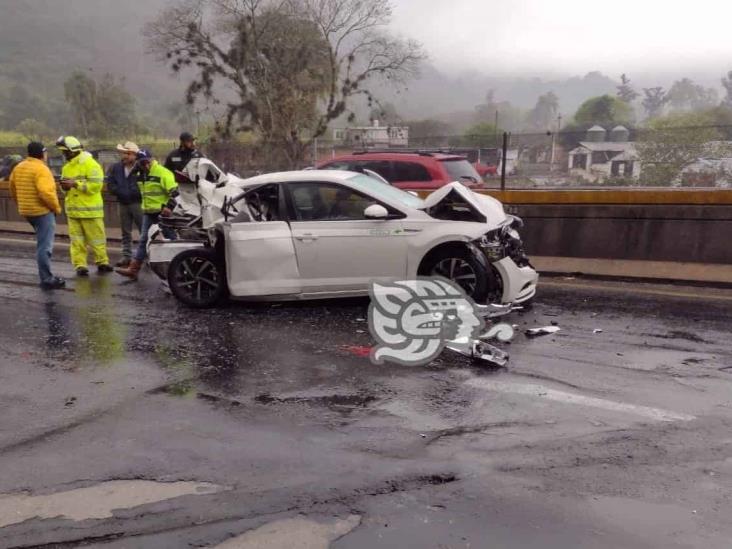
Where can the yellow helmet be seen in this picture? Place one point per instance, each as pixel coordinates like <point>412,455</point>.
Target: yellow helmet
<point>68,143</point>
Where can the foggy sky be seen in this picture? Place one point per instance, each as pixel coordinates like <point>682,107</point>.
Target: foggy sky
<point>571,36</point>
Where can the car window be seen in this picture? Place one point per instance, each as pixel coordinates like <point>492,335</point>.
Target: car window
<point>327,202</point>
<point>379,191</point>
<point>460,169</point>
<point>382,167</point>
<point>410,171</point>
<point>259,204</point>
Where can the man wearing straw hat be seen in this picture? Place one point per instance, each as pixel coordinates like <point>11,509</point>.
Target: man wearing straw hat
<point>122,183</point>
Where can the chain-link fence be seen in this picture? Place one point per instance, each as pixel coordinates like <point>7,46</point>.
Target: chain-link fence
<point>598,157</point>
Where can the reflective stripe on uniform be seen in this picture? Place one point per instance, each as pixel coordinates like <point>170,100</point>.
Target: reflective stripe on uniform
<point>85,208</point>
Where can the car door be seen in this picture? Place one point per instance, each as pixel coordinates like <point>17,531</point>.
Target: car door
<point>260,254</point>
<point>337,247</point>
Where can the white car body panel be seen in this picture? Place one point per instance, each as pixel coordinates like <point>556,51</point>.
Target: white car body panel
<point>302,259</point>
<point>325,253</point>
<point>519,283</point>
<point>487,205</point>
<point>260,259</point>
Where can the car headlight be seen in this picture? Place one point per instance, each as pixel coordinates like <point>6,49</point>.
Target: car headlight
<point>491,246</point>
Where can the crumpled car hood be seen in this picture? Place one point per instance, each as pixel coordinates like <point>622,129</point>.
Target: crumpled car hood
<point>489,208</point>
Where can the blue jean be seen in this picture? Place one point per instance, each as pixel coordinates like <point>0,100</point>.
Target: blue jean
<point>45,228</point>
<point>148,220</point>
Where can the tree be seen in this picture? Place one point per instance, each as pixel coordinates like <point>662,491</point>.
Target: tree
<point>604,110</point>
<point>509,117</point>
<point>626,92</point>
<point>20,103</point>
<point>429,132</point>
<point>385,113</point>
<point>81,94</point>
<point>116,108</point>
<point>483,134</point>
<point>685,96</point>
<point>293,65</point>
<point>544,113</point>
<point>671,142</point>
<point>654,101</point>
<point>33,130</point>
<point>727,84</point>
<point>100,108</point>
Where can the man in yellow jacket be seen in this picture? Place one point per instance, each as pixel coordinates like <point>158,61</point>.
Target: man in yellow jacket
<point>82,179</point>
<point>34,190</point>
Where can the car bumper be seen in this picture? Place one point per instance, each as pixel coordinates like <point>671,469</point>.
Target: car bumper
<point>519,283</point>
<point>161,252</point>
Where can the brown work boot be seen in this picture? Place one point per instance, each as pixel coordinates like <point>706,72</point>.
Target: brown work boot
<point>130,271</point>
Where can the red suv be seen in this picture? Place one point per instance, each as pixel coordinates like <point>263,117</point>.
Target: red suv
<point>409,170</point>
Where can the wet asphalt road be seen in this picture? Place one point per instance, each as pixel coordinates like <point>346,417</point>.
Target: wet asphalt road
<point>620,438</point>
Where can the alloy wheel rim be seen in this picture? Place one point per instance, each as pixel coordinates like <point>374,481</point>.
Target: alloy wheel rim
<point>198,277</point>
<point>459,271</point>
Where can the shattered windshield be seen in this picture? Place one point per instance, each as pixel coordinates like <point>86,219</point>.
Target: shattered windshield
<point>377,189</point>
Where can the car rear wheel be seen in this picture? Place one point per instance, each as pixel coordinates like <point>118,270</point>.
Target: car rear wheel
<point>197,277</point>
<point>463,268</point>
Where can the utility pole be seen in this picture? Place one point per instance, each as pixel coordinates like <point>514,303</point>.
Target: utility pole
<point>495,126</point>
<point>504,156</point>
<point>554,142</point>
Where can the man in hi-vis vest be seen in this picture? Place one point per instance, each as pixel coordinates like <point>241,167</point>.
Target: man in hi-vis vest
<point>159,189</point>
<point>82,179</point>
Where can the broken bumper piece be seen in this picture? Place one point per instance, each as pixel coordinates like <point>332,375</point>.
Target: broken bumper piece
<point>480,351</point>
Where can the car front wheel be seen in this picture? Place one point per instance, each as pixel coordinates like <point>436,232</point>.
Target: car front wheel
<point>197,278</point>
<point>463,268</point>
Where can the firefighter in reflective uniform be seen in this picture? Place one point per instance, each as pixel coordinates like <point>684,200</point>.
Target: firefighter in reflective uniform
<point>82,179</point>
<point>158,189</point>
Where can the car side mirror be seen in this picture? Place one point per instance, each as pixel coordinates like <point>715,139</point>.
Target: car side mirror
<point>376,211</point>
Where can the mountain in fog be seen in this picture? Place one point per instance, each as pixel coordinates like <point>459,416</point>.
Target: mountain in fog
<point>43,41</point>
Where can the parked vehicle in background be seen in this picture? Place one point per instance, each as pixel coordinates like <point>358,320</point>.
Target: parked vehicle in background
<point>485,170</point>
<point>409,169</point>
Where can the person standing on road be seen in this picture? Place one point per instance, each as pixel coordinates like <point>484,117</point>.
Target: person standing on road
<point>179,158</point>
<point>122,182</point>
<point>82,178</point>
<point>158,189</point>
<point>34,191</point>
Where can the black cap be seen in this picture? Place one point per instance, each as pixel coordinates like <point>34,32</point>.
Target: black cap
<point>36,149</point>
<point>187,136</point>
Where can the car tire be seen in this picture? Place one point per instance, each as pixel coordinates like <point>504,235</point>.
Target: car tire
<point>461,266</point>
<point>197,278</point>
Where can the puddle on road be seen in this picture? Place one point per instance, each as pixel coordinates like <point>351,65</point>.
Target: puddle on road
<point>352,400</point>
<point>296,532</point>
<point>654,359</point>
<point>642,517</point>
<point>96,502</point>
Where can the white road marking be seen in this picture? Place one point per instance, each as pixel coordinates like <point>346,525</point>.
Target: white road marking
<point>95,502</point>
<point>295,532</point>
<point>532,389</point>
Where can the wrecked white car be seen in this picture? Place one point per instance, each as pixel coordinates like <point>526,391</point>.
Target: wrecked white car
<point>319,234</point>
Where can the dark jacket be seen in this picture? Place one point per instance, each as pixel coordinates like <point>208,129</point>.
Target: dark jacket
<point>124,188</point>
<point>179,158</point>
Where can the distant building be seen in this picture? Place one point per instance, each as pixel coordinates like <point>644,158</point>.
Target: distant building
<point>599,158</point>
<point>372,136</point>
<point>706,172</point>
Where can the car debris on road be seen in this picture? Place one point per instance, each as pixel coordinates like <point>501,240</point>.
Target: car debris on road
<point>545,330</point>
